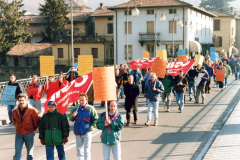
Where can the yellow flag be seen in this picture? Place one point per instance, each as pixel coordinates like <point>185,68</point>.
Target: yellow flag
<point>47,67</point>
<point>162,54</point>
<point>199,59</point>
<point>146,54</point>
<point>85,64</point>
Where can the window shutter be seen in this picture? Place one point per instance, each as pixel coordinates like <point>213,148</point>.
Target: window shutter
<point>76,52</point>
<point>95,52</point>
<point>60,52</point>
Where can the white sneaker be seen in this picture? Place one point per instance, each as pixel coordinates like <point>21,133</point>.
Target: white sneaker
<point>168,110</point>
<point>215,86</point>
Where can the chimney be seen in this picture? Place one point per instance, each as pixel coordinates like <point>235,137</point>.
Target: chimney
<point>101,5</point>
<point>232,10</point>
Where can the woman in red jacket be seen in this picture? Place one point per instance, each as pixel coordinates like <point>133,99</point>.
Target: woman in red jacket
<point>49,88</point>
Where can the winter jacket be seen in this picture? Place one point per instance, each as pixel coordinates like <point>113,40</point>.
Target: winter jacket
<point>53,127</point>
<point>131,92</point>
<point>62,85</point>
<point>34,91</point>
<point>51,89</point>
<point>30,121</point>
<point>228,71</point>
<point>148,90</point>
<point>237,63</point>
<point>125,78</point>
<point>137,76</point>
<point>192,73</point>
<point>111,134</point>
<point>180,88</point>
<point>19,89</point>
<point>203,81</point>
<point>69,75</point>
<point>86,119</point>
<point>215,68</point>
<point>167,82</point>
<point>210,71</point>
<point>119,81</point>
<point>146,77</point>
<point>232,62</point>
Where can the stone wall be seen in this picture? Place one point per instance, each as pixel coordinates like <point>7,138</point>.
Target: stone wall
<point>25,72</point>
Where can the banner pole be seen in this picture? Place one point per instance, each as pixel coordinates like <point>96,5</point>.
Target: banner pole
<point>186,73</point>
<point>106,109</point>
<point>47,82</point>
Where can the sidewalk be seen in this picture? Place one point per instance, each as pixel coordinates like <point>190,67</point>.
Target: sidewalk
<point>227,143</point>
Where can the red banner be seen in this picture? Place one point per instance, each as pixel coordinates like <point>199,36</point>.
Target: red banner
<point>142,63</point>
<point>70,93</point>
<point>175,67</point>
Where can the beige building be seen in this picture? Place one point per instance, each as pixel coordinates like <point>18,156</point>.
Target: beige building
<point>224,33</point>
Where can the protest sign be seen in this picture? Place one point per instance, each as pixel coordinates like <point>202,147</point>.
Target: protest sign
<point>104,83</point>
<point>146,54</point>
<point>233,54</point>
<point>220,75</point>
<point>162,54</point>
<point>199,59</point>
<point>221,58</point>
<point>85,64</point>
<point>175,67</point>
<point>70,93</point>
<point>213,56</point>
<point>47,67</point>
<point>199,78</point>
<point>159,67</point>
<point>212,50</point>
<point>181,52</point>
<point>182,58</point>
<point>8,95</point>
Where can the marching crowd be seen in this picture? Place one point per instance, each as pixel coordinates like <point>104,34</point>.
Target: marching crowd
<point>54,126</point>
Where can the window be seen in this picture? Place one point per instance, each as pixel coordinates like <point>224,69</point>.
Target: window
<point>150,11</point>
<point>109,55</point>
<point>196,14</point>
<point>15,61</point>
<point>95,52</point>
<point>197,39</point>
<point>150,27</point>
<point>110,18</point>
<point>196,27</point>
<point>129,12</point>
<point>190,11</point>
<point>76,52</point>
<point>171,26</point>
<point>217,41</point>
<point>110,28</point>
<point>129,52</point>
<point>216,25</point>
<point>60,52</point>
<point>172,11</point>
<point>29,62</point>
<point>129,27</point>
<point>170,50</point>
<point>150,49</point>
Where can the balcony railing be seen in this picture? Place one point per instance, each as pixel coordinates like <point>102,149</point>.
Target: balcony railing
<point>66,62</point>
<point>148,37</point>
<point>84,39</point>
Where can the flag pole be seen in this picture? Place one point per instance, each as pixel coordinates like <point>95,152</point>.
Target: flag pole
<point>106,109</point>
<point>186,73</point>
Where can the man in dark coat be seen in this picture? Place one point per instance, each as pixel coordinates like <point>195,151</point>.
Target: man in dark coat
<point>131,91</point>
<point>72,74</point>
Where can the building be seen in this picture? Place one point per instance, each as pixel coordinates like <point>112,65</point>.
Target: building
<point>27,54</point>
<point>224,32</point>
<point>195,35</point>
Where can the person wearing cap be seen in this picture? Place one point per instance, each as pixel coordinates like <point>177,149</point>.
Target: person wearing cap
<point>53,131</point>
<point>72,74</point>
<point>84,117</point>
<point>26,120</point>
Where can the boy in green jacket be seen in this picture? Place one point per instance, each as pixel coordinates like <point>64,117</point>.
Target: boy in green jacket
<point>54,131</point>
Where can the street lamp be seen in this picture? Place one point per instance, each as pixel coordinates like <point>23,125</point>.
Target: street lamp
<point>179,24</point>
<point>161,19</point>
<point>135,13</point>
<point>81,3</point>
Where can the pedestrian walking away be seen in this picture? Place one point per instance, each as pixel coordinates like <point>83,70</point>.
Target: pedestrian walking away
<point>53,131</point>
<point>232,64</point>
<point>237,69</point>
<point>210,72</point>
<point>192,73</point>
<point>153,88</point>
<point>228,72</point>
<point>84,117</point>
<point>111,127</point>
<point>221,83</point>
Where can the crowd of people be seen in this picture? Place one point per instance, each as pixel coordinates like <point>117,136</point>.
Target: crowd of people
<point>54,126</point>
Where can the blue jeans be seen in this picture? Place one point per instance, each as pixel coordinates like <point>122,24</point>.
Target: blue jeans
<point>10,108</point>
<point>216,82</point>
<point>121,92</point>
<point>50,152</point>
<point>116,151</point>
<point>180,100</point>
<point>225,82</point>
<point>237,71</point>
<point>28,139</point>
<point>191,86</point>
<point>83,144</point>
<point>118,93</point>
<point>36,104</point>
<point>151,104</point>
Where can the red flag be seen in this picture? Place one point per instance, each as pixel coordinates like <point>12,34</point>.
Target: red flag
<point>141,63</point>
<point>70,93</point>
<point>175,67</point>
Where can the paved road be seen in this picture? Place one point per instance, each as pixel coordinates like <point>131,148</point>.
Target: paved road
<point>184,135</point>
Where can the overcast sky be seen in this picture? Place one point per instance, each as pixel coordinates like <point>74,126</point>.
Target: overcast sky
<point>33,5</point>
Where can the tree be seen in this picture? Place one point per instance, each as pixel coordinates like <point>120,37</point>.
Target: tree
<point>12,27</point>
<point>216,5</point>
<point>55,16</point>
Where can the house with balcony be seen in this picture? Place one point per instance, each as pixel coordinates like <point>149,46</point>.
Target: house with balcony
<point>195,34</point>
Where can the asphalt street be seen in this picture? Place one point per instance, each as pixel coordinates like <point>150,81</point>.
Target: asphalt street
<point>186,135</point>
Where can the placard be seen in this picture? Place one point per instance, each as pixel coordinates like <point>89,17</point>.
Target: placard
<point>199,78</point>
<point>47,67</point>
<point>182,58</point>
<point>212,50</point>
<point>162,54</point>
<point>159,67</point>
<point>181,52</point>
<point>104,83</point>
<point>8,95</point>
<point>199,59</point>
<point>220,75</point>
<point>213,56</point>
<point>146,54</point>
<point>85,64</point>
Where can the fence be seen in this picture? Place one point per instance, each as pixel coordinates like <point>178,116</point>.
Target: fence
<point>25,83</point>
<point>66,62</point>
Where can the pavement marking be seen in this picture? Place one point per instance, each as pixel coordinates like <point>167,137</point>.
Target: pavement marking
<point>4,126</point>
<point>94,134</point>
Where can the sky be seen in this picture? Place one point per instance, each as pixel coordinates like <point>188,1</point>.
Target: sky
<point>33,5</point>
